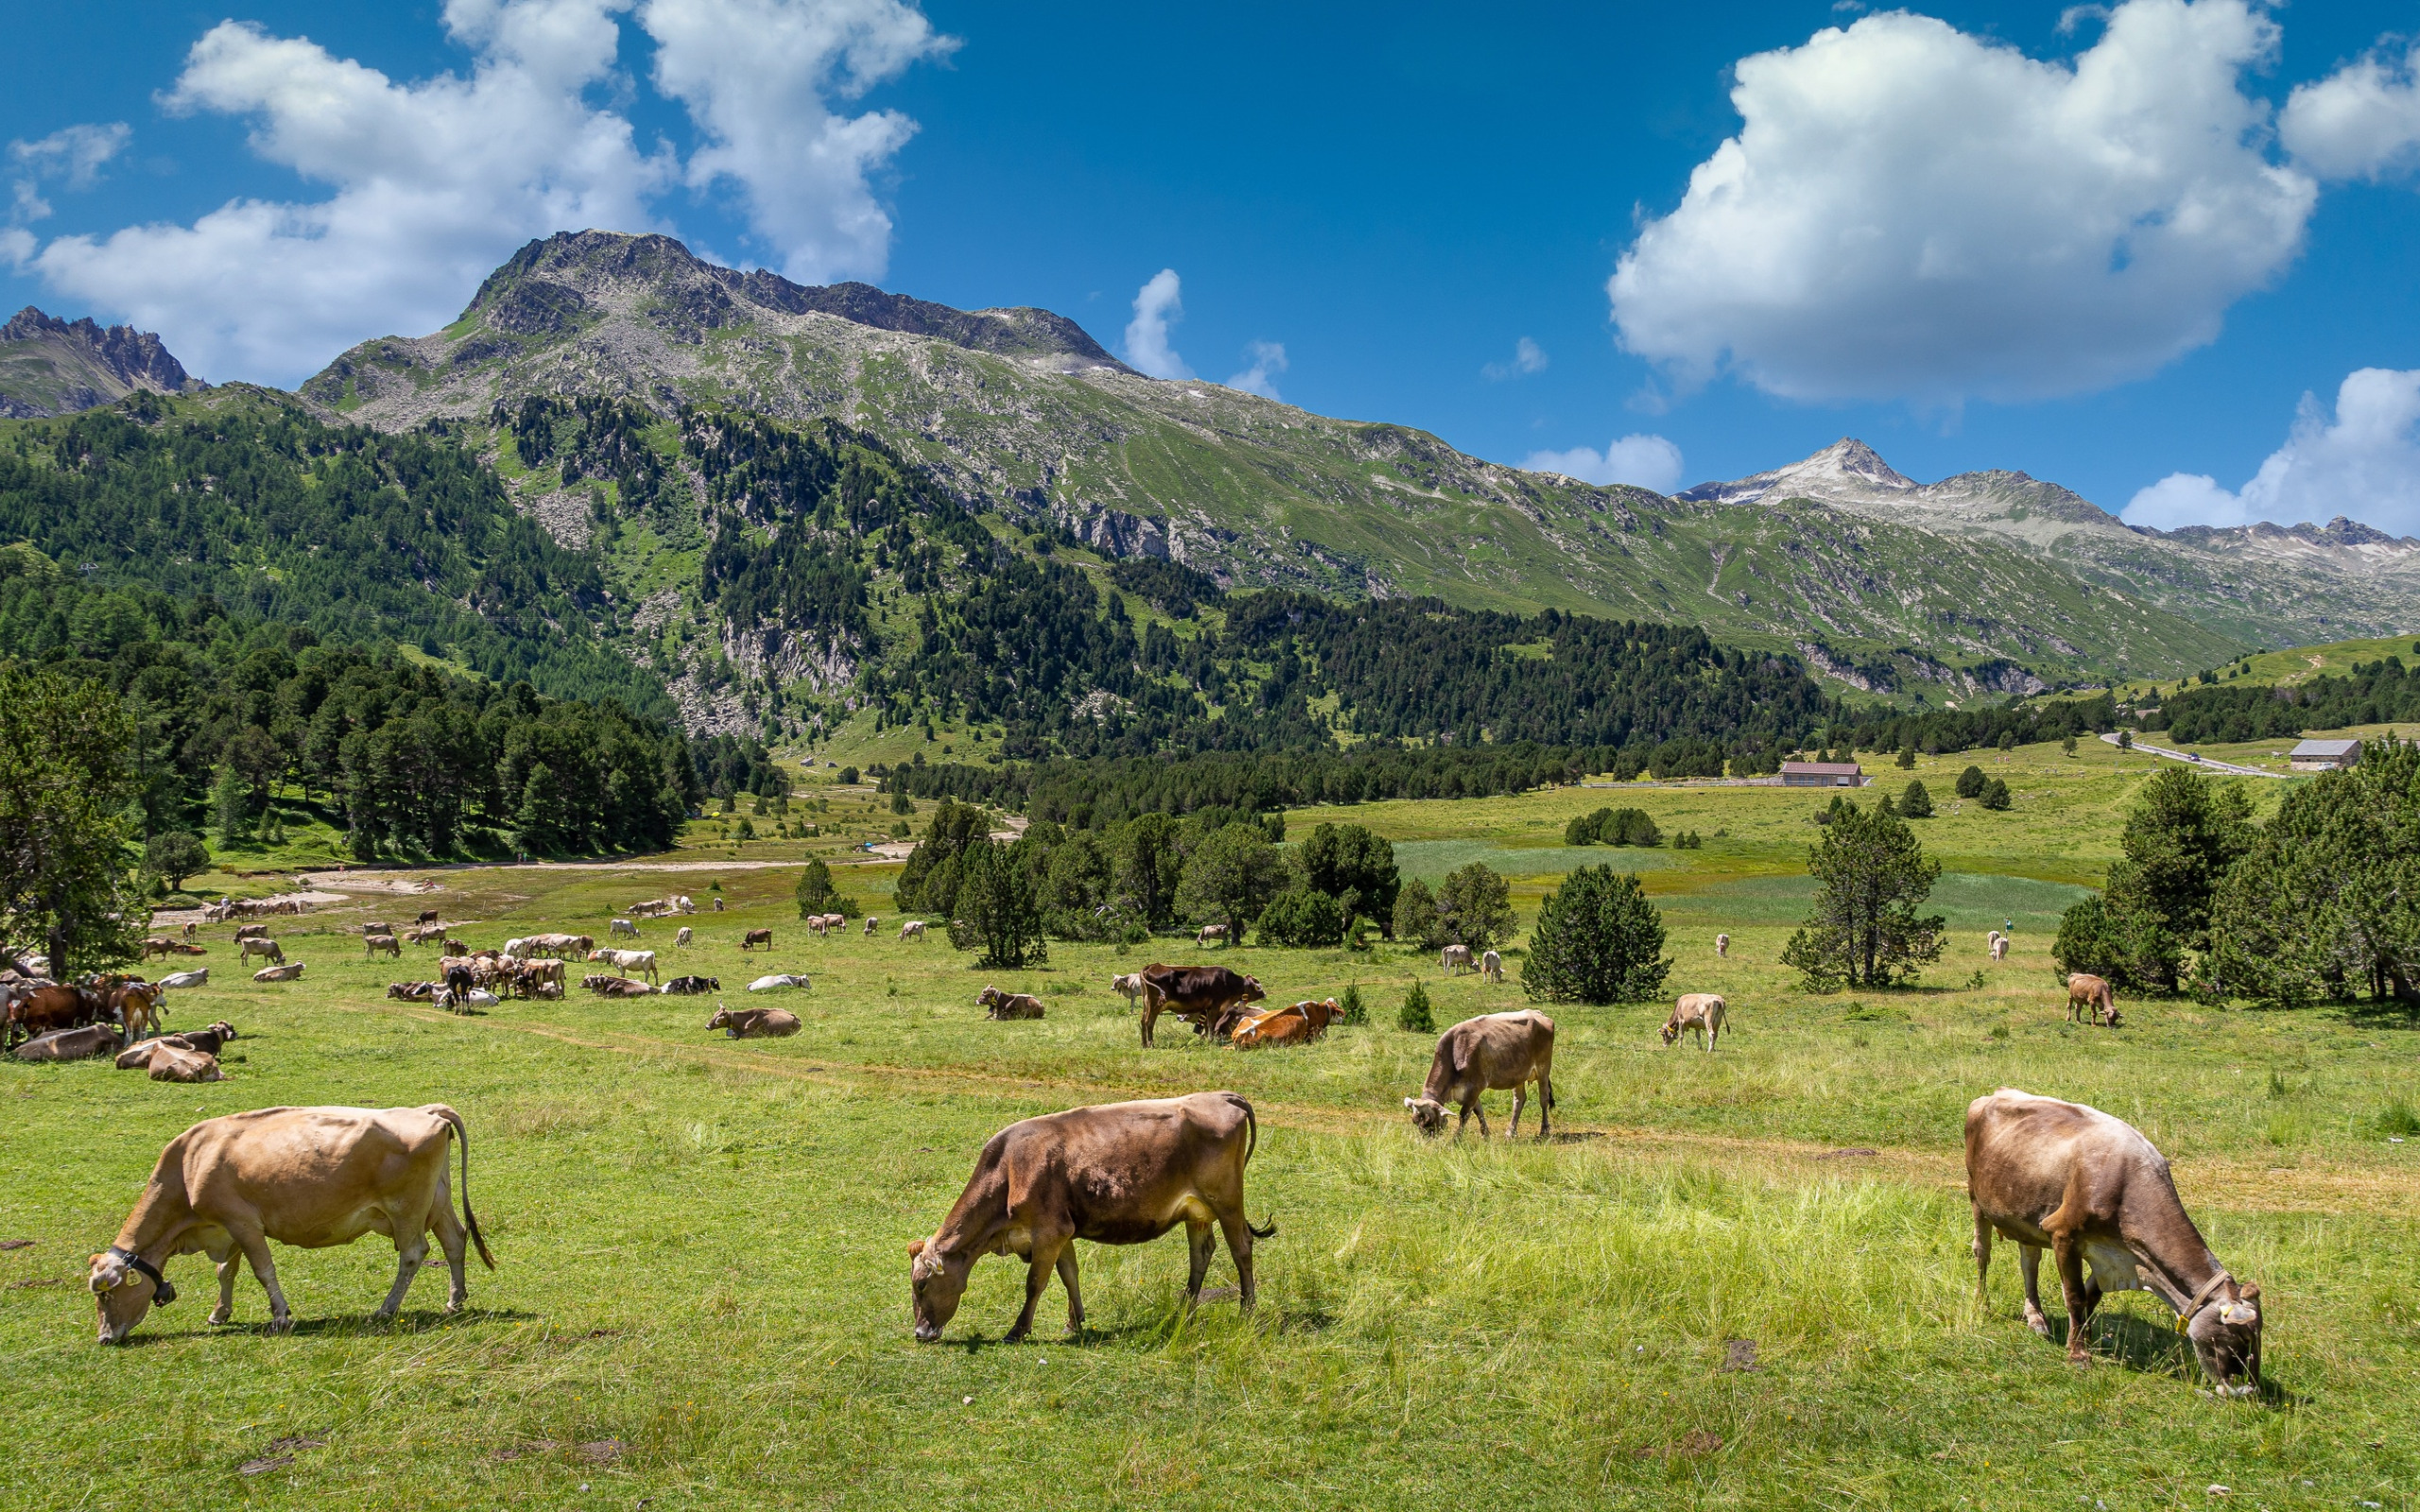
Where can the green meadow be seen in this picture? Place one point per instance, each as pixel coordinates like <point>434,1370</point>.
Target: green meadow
<point>1736,1280</point>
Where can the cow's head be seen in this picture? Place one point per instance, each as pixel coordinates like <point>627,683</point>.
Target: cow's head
<point>124,1292</point>
<point>1253,992</point>
<point>2226,1339</point>
<point>721,1019</point>
<point>938,1281</point>
<point>1428,1113</point>
<point>1672,1030</point>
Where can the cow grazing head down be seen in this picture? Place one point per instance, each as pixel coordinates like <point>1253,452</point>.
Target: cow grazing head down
<point>125,1290</point>
<point>939,1282</point>
<point>1428,1113</point>
<point>2226,1339</point>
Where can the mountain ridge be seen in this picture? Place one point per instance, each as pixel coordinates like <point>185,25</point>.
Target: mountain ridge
<point>53,367</point>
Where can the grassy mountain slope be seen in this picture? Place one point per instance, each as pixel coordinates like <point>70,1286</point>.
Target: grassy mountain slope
<point>1031,420</point>
<point>2259,585</point>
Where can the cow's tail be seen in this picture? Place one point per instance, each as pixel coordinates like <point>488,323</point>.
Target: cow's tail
<point>1251,1142</point>
<point>462,1132</point>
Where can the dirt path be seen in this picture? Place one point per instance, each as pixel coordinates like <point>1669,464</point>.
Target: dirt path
<point>2228,1185</point>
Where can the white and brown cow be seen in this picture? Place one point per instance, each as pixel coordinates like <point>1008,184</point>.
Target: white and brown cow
<point>626,962</point>
<point>1491,1053</point>
<point>2092,1191</point>
<point>1490,967</point>
<point>913,929</point>
<point>246,950</point>
<point>307,1177</point>
<point>1454,959</point>
<point>1118,1174</point>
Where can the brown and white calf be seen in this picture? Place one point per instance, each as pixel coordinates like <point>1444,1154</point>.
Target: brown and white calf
<point>1491,1053</point>
<point>306,1177</point>
<point>1118,1174</point>
<point>1702,1011</point>
<point>2092,1191</point>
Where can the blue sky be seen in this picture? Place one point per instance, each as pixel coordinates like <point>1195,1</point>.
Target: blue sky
<point>2161,252</point>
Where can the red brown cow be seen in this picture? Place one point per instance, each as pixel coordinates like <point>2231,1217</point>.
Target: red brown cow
<point>2089,995</point>
<point>1488,1053</point>
<point>2091,1190</point>
<point>755,937</point>
<point>1197,994</point>
<point>47,1007</point>
<point>1008,1004</point>
<point>1120,1174</point>
<point>1297,1026</point>
<point>308,1177</point>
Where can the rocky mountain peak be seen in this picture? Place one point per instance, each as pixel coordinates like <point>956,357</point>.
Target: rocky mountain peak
<point>54,367</point>
<point>551,284</point>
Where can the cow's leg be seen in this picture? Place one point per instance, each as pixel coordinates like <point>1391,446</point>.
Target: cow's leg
<point>1239,1246</point>
<point>451,1238</point>
<point>230,1264</point>
<point>1545,1102</point>
<point>256,1245</point>
<point>1075,1296</point>
<point>1520,1100</point>
<point>2029,1260</point>
<point>1039,1264</point>
<point>1150,1015</point>
<point>409,1256</point>
<point>1475,1106</point>
<point>2068,1255</point>
<point>1202,1244</point>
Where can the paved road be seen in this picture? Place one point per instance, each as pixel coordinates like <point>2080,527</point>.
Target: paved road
<point>2207,764</point>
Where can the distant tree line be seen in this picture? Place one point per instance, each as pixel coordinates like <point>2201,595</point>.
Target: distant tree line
<point>226,708</point>
<point>2378,693</point>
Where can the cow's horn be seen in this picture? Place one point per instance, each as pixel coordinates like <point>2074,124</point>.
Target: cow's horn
<point>1411,1102</point>
<point>2239,1315</point>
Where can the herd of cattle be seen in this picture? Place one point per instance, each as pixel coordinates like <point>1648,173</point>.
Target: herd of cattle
<point>2047,1174</point>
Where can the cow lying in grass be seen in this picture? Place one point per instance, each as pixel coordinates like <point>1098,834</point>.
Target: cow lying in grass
<point>1296,1025</point>
<point>754,1024</point>
<point>691,985</point>
<point>167,1059</point>
<point>1120,1174</point>
<point>615,986</point>
<point>309,1177</point>
<point>1008,1004</point>
<point>2091,1190</point>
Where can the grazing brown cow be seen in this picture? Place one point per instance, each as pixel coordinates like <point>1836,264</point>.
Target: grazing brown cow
<point>1491,966</point>
<point>755,937</point>
<point>373,944</point>
<point>2092,995</point>
<point>429,916</point>
<point>48,1007</point>
<point>2091,1190</point>
<point>426,933</point>
<point>1008,1004</point>
<point>1129,987</point>
<point>754,1024</point>
<point>261,946</point>
<point>1702,1011</point>
<point>1489,1054</point>
<point>1210,933</point>
<point>80,1043</point>
<point>1197,994</point>
<point>1454,959</point>
<point>1120,1174</point>
<point>307,1177</point>
<point>452,947</point>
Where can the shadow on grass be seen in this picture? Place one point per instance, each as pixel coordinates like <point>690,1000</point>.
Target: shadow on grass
<point>356,1325</point>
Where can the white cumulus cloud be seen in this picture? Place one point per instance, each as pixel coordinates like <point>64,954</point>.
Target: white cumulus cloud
<point>1268,359</point>
<point>1158,304</point>
<point>1644,461</point>
<point>2361,122</point>
<point>434,182</point>
<point>2363,462</point>
<point>754,75</point>
<point>1527,356</point>
<point>1909,211</point>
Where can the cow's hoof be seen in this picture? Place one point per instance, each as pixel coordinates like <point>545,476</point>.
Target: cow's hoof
<point>281,1324</point>
<point>2080,1360</point>
<point>2038,1324</point>
<point>223,1315</point>
<point>1013,1336</point>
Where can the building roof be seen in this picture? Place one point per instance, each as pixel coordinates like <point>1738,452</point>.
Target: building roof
<point>2326,747</point>
<point>1822,768</point>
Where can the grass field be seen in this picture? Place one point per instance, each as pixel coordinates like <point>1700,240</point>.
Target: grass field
<point>702,1299</point>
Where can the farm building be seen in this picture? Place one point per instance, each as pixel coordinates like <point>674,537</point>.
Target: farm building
<point>2324,755</point>
<point>1822,774</point>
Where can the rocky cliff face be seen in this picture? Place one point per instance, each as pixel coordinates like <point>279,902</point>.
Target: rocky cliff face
<point>53,367</point>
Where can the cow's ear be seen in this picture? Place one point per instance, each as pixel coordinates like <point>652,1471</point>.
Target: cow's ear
<point>2251,1292</point>
<point>915,1247</point>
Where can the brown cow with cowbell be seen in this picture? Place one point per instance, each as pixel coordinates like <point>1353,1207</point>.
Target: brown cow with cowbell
<point>2091,1190</point>
<point>1118,1174</point>
<point>1490,1052</point>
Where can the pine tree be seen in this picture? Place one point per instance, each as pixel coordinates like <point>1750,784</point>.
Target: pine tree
<point>1597,941</point>
<point>1863,930</point>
